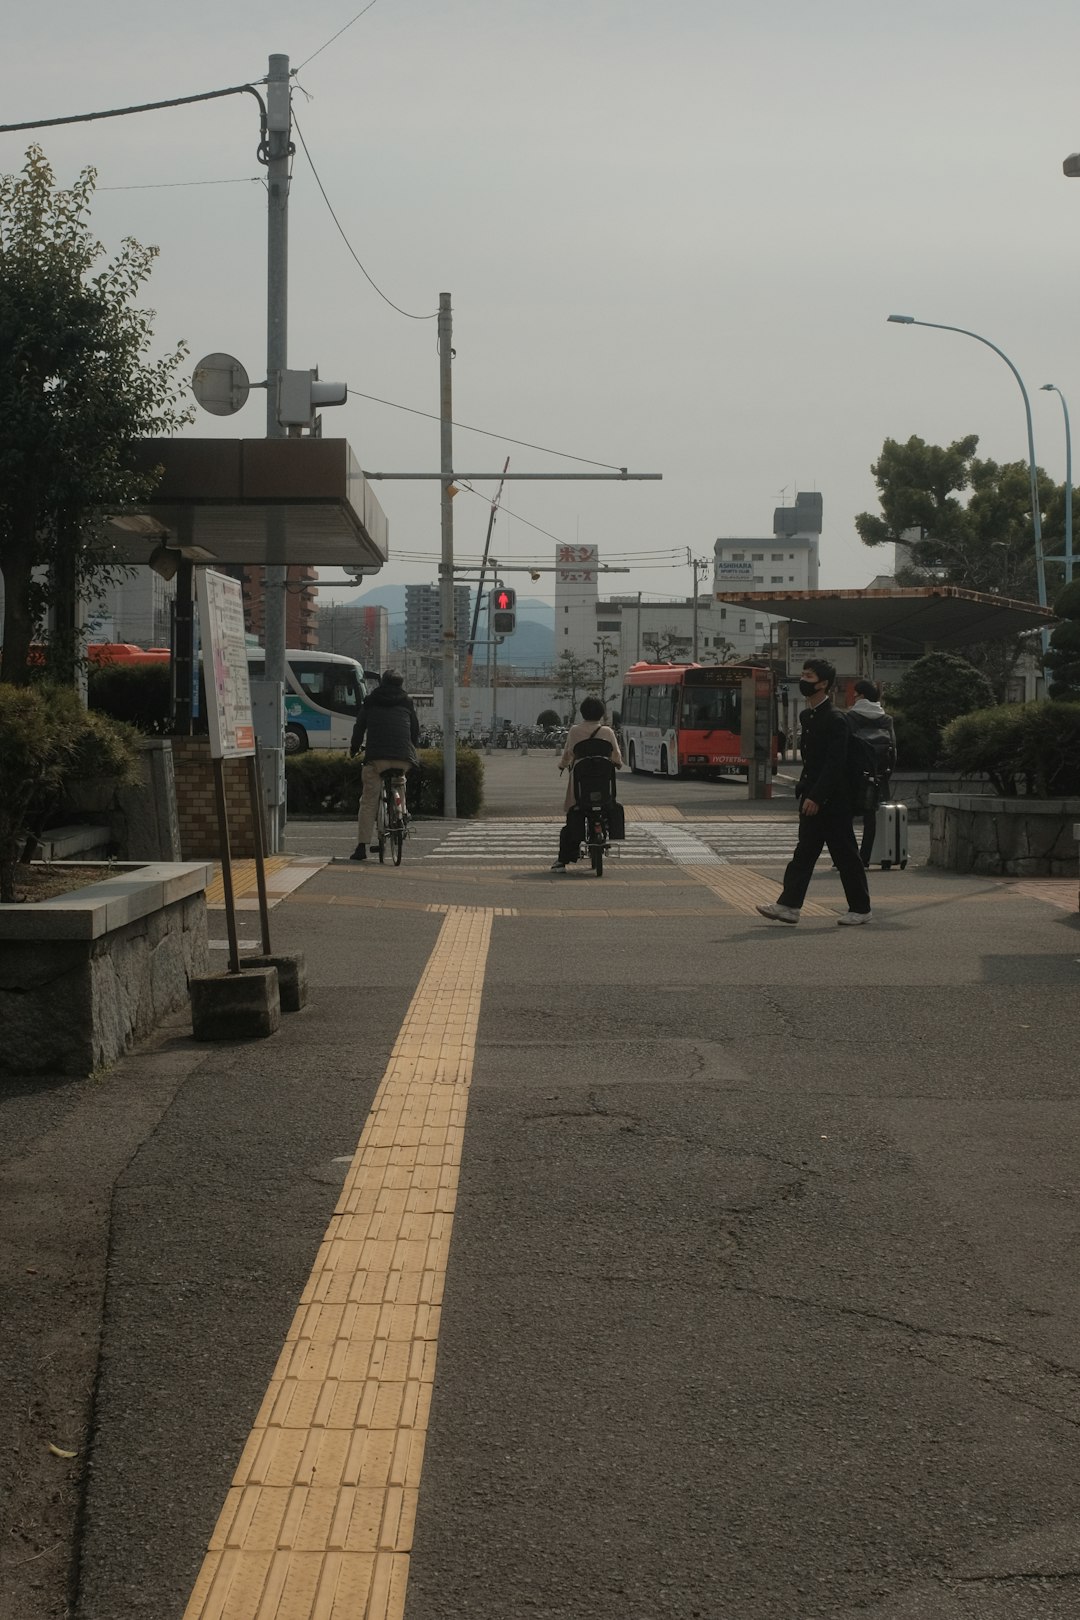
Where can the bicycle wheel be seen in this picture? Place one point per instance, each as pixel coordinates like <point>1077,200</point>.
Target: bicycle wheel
<point>397,836</point>
<point>380,827</point>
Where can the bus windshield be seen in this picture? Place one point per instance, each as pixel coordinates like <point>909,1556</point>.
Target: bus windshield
<point>332,686</point>
<point>711,708</point>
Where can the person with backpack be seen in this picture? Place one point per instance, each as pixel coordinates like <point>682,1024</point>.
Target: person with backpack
<point>873,735</point>
<point>824,792</point>
<point>388,730</point>
<point>587,735</point>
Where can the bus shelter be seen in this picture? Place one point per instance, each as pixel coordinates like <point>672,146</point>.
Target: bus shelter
<point>874,634</point>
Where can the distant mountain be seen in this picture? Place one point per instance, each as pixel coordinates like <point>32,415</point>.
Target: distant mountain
<point>532,643</point>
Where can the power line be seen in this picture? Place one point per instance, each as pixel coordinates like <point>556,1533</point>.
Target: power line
<point>341,230</point>
<point>332,38</point>
<point>169,185</point>
<point>122,112</point>
<point>504,438</point>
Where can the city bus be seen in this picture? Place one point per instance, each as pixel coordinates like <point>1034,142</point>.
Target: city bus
<point>323,694</point>
<point>686,719</point>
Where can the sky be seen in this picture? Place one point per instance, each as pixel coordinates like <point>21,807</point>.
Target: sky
<point>671,233</point>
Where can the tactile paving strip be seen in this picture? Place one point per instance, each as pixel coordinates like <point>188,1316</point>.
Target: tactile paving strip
<point>318,1522</point>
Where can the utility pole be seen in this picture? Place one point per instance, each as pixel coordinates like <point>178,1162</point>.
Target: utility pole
<point>700,566</point>
<point>446,567</point>
<point>279,145</point>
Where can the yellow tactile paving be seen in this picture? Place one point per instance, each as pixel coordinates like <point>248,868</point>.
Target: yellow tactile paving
<point>318,1522</point>
<point>744,889</point>
<point>244,878</point>
<point>652,812</point>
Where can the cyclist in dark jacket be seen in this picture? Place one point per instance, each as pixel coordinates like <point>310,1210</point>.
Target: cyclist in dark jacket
<point>824,793</point>
<point>388,731</point>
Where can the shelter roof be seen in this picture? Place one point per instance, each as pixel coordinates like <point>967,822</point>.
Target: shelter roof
<point>921,616</point>
<point>256,501</point>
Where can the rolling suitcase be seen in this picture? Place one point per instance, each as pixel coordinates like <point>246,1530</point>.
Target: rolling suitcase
<point>890,836</point>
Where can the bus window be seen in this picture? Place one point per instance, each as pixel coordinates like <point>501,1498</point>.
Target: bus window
<point>652,712</point>
<point>330,686</point>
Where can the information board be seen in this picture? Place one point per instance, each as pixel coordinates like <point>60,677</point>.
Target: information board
<point>225,665</point>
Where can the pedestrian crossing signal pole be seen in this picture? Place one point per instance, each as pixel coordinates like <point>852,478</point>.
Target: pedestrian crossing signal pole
<point>446,567</point>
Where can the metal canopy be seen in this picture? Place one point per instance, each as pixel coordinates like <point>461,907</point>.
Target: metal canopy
<point>917,616</point>
<point>220,501</point>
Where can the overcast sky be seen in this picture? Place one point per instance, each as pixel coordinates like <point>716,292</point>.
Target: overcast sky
<point>671,230</point>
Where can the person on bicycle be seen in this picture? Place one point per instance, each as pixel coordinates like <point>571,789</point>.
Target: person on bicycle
<point>589,729</point>
<point>388,731</point>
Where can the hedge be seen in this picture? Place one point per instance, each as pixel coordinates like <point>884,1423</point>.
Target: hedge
<point>1032,748</point>
<point>323,782</point>
<point>136,693</point>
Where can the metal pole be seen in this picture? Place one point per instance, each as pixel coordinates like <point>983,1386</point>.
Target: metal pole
<point>446,567</point>
<point>1068,558</point>
<point>279,130</point>
<point>1036,516</point>
<point>226,864</point>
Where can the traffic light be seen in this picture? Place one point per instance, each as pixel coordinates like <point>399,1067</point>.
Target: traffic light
<point>503,611</point>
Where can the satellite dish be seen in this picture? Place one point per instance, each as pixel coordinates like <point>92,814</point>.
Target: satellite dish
<point>220,384</point>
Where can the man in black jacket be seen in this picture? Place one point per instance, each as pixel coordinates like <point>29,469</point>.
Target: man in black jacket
<point>387,724</point>
<point>825,805</point>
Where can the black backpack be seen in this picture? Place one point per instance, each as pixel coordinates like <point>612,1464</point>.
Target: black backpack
<point>871,758</point>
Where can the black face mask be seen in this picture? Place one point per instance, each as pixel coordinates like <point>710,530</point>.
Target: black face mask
<point>808,688</point>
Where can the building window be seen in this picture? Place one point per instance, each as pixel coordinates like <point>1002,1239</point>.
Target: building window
<point>757,556</point>
<point>738,556</point>
<point>723,613</point>
<point>791,579</point>
<point>759,579</point>
<point>609,624</point>
<point>778,556</point>
<point>791,556</point>
<point>742,626</point>
<point>566,610</point>
<point>776,579</point>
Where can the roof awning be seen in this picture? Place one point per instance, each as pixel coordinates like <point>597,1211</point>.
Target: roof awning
<point>256,501</point>
<point>912,616</point>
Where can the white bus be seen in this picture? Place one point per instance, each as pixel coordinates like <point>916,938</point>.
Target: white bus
<point>323,694</point>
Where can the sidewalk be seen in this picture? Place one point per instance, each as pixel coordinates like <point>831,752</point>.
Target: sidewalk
<point>596,1249</point>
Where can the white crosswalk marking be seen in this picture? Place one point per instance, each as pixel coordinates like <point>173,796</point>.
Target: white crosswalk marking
<point>529,842</point>
<point>685,843</point>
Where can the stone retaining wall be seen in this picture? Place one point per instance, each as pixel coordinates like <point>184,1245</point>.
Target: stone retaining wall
<point>84,976</point>
<point>998,837</point>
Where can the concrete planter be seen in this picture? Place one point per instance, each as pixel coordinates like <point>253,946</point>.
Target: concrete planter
<point>914,788</point>
<point>997,837</point>
<point>84,976</point>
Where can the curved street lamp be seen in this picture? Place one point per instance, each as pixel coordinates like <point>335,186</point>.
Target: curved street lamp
<point>1036,516</point>
<point>1052,388</point>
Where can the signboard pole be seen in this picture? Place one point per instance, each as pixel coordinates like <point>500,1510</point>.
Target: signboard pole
<point>255,793</point>
<point>226,864</point>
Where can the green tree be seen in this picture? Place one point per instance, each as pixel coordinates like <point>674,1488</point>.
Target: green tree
<point>548,719</point>
<point>966,522</point>
<point>1063,656</point>
<point>78,387</point>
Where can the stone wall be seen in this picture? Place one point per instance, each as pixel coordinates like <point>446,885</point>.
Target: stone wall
<point>997,837</point>
<point>914,789</point>
<point>84,976</point>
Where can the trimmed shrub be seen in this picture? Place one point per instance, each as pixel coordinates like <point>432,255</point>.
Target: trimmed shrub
<point>47,739</point>
<point>936,689</point>
<point>1032,748</point>
<point>916,748</point>
<point>322,782</point>
<point>136,693</point>
<point>547,719</point>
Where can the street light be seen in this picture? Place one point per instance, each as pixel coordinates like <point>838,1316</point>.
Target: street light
<point>1052,388</point>
<point>1036,517</point>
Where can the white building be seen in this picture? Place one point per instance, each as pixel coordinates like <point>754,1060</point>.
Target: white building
<point>786,562</point>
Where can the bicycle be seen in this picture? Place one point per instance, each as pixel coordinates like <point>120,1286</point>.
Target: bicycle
<point>391,818</point>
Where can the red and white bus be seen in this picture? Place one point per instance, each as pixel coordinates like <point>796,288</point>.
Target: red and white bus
<point>686,719</point>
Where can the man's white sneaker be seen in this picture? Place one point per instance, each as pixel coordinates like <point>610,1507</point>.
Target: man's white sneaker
<point>852,919</point>
<point>778,913</point>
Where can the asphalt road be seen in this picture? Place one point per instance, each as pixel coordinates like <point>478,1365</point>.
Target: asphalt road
<point>761,1301</point>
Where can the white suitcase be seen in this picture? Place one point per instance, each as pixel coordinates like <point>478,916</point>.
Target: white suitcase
<point>891,836</point>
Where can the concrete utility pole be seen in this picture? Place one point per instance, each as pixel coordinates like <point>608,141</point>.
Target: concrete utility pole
<point>279,141</point>
<point>446,567</point>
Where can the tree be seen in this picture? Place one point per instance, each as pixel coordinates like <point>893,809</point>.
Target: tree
<point>984,542</point>
<point>666,644</point>
<point>1063,655</point>
<point>548,719</point>
<point>574,675</point>
<point>77,388</point>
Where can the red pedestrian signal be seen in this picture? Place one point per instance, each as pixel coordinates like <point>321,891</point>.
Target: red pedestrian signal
<point>503,610</point>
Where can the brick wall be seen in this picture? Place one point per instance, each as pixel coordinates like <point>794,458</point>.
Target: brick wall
<point>197,807</point>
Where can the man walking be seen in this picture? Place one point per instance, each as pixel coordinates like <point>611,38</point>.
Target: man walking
<point>868,720</point>
<point>825,808</point>
<point>388,725</point>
